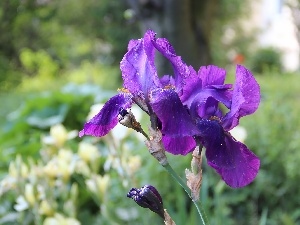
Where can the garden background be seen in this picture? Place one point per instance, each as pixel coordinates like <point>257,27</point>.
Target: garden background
<point>59,58</point>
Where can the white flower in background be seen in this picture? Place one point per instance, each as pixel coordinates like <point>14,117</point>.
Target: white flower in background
<point>239,133</point>
<point>21,204</point>
<point>59,219</point>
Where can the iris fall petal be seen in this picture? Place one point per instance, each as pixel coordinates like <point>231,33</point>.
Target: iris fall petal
<point>243,167</point>
<point>106,119</point>
<point>174,116</point>
<point>179,145</point>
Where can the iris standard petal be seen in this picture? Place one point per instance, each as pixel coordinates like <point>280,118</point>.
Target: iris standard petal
<point>192,86</point>
<point>181,70</point>
<point>179,145</point>
<point>173,115</point>
<point>245,97</point>
<point>212,75</point>
<point>243,164</point>
<point>106,119</point>
<point>137,66</point>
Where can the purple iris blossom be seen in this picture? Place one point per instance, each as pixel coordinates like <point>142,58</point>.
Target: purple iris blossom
<point>151,93</point>
<point>236,164</point>
<point>187,107</point>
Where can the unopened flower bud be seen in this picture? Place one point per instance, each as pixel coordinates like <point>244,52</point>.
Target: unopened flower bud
<point>148,197</point>
<point>127,119</point>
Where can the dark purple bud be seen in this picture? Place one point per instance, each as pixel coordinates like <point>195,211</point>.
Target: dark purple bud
<point>123,112</point>
<point>147,197</point>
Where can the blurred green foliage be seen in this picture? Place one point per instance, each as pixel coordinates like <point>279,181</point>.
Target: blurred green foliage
<point>266,60</point>
<point>51,37</point>
<point>273,134</point>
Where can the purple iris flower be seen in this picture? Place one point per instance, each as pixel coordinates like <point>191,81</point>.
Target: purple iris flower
<point>187,107</point>
<point>143,86</point>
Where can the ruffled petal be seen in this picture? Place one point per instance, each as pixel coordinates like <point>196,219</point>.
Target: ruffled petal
<point>181,70</point>
<point>179,145</point>
<point>107,118</point>
<point>212,75</point>
<point>242,167</point>
<point>245,97</point>
<point>137,66</point>
<point>173,115</point>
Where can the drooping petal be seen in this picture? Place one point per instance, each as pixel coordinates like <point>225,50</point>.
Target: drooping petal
<point>243,167</point>
<point>245,97</point>
<point>181,70</point>
<point>179,145</point>
<point>236,164</point>
<point>173,115</point>
<point>137,66</point>
<point>106,119</point>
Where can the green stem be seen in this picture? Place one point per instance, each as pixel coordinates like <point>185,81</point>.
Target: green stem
<point>185,187</point>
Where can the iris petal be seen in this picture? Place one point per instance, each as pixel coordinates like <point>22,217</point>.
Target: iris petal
<point>245,97</point>
<point>106,119</point>
<point>174,116</point>
<point>236,164</point>
<point>181,70</point>
<point>212,75</point>
<point>243,167</point>
<point>137,66</point>
<point>179,145</point>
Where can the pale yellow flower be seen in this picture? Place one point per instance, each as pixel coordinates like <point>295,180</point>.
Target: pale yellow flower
<point>59,133</point>
<point>82,167</point>
<point>30,194</point>
<point>133,164</point>
<point>51,169</point>
<point>98,184</point>
<point>88,152</point>
<point>45,208</point>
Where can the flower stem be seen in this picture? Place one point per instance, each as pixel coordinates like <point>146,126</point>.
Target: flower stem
<point>185,187</point>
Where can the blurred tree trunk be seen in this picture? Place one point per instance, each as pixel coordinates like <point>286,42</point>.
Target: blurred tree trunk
<point>187,24</point>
